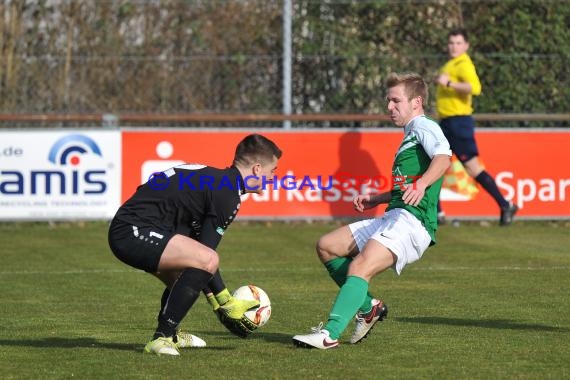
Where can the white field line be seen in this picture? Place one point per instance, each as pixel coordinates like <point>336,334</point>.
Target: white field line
<point>502,268</point>
<point>316,268</point>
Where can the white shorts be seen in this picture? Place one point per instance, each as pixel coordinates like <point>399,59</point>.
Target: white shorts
<point>399,231</point>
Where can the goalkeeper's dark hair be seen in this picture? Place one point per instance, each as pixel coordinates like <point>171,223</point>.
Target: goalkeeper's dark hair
<point>255,148</point>
<point>414,85</point>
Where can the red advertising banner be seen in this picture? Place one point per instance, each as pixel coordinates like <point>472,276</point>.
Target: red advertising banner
<point>321,171</point>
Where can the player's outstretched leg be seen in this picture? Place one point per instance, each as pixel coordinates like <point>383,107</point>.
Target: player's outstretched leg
<point>366,321</point>
<point>508,214</point>
<point>318,338</point>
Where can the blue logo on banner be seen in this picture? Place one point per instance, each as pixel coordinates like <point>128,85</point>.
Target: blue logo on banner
<point>68,177</point>
<point>69,145</point>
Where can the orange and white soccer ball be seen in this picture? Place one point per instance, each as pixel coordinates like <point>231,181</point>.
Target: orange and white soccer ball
<point>261,314</point>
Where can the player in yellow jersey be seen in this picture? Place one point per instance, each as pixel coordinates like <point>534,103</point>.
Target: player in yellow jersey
<point>457,83</point>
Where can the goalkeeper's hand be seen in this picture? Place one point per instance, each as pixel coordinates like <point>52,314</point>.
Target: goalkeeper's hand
<point>231,313</point>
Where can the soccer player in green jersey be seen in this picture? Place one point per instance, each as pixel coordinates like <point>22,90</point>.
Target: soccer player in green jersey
<point>355,253</point>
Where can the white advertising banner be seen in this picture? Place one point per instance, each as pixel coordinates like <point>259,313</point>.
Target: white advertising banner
<point>59,175</point>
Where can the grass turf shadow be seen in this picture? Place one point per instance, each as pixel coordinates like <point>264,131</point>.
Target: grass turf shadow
<point>503,324</point>
<point>56,342</point>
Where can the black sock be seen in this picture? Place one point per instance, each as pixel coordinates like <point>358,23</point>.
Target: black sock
<point>490,186</point>
<point>163,300</point>
<point>183,294</point>
<point>216,284</point>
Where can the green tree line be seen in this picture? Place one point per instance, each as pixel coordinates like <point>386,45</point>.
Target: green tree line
<point>178,56</point>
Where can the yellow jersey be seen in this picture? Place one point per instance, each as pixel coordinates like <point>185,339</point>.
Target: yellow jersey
<point>450,102</point>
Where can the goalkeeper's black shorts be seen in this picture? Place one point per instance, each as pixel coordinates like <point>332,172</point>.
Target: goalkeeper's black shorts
<point>139,246</point>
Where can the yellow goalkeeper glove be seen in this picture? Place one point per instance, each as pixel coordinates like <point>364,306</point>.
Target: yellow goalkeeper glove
<point>230,311</point>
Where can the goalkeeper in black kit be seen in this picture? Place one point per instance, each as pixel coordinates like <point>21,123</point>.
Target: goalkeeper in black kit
<point>171,227</point>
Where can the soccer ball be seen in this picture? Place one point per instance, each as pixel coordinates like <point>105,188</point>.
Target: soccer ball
<point>261,314</point>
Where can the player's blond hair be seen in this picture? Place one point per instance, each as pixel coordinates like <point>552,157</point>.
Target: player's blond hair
<point>414,85</point>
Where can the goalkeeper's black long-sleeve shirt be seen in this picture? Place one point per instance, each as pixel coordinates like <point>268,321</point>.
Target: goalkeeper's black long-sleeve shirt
<point>193,200</point>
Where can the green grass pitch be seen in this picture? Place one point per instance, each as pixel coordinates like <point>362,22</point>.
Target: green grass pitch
<point>485,302</point>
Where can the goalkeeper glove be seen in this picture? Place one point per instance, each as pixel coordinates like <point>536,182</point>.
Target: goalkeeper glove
<point>230,311</point>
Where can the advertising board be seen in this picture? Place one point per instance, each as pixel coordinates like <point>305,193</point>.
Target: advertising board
<point>59,175</point>
<point>321,171</point>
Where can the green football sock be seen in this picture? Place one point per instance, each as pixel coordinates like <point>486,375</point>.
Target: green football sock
<point>338,269</point>
<point>349,298</point>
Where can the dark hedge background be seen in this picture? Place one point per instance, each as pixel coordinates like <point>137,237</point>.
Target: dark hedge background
<point>225,56</point>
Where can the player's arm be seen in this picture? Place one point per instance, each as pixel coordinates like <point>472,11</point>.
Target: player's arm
<point>437,147</point>
<point>469,83</point>
<point>367,201</point>
<point>416,190</point>
<point>230,311</point>
<point>460,87</point>
<point>211,238</point>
